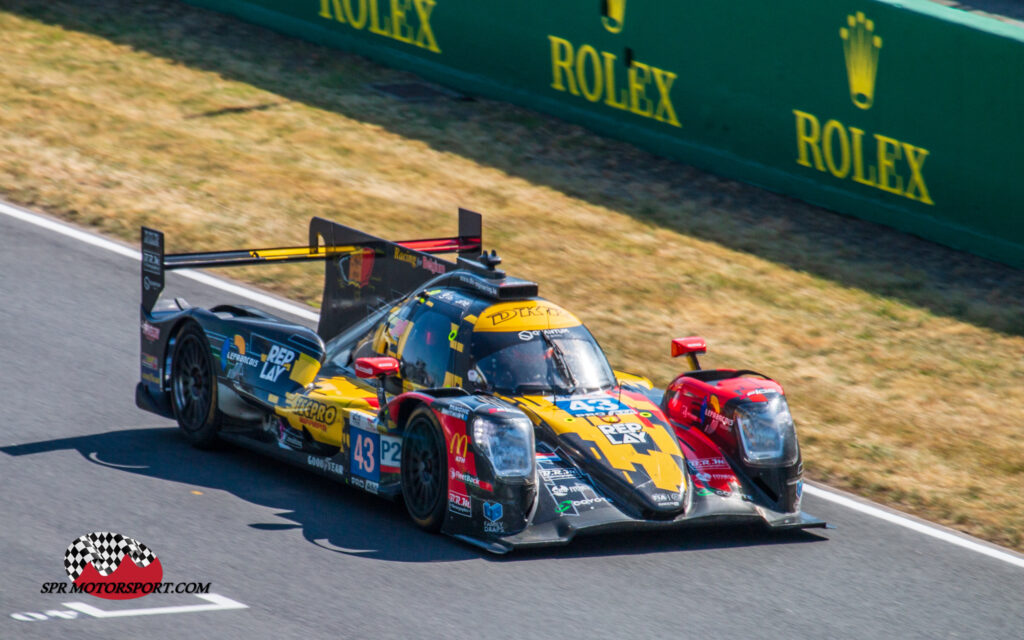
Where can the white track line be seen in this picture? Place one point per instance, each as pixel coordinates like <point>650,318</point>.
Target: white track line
<point>218,603</point>
<point>816,491</point>
<point>210,281</point>
<point>927,529</point>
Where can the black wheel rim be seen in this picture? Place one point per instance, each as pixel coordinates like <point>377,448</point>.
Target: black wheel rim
<point>423,470</point>
<point>192,384</point>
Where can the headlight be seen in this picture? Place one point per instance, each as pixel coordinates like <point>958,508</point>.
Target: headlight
<point>767,434</point>
<point>507,443</point>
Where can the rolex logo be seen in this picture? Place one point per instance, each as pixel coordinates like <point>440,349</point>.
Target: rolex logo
<point>613,14</point>
<point>860,47</point>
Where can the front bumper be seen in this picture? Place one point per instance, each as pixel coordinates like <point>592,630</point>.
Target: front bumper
<point>571,504</point>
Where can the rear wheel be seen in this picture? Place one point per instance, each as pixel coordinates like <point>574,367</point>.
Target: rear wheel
<point>194,388</point>
<point>424,470</point>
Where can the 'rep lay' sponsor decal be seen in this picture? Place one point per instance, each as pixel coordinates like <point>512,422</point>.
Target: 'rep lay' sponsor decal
<point>275,362</point>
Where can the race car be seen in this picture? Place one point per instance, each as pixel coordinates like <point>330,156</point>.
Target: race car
<point>491,412</point>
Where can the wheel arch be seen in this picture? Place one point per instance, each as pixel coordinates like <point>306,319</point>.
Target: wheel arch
<point>175,330</point>
<point>400,408</point>
<point>429,471</point>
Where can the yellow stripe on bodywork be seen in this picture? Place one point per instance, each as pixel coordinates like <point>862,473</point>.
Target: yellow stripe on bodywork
<point>453,338</point>
<point>662,465</point>
<point>629,378</point>
<point>339,393</point>
<point>304,369</point>
<point>280,253</point>
<point>380,342</point>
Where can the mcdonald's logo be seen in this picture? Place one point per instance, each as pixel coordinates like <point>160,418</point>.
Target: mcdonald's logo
<point>458,446</point>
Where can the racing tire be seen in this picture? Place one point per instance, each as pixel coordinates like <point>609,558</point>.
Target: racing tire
<point>424,470</point>
<point>194,388</point>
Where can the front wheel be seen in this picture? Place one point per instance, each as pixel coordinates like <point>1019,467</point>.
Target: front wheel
<point>424,470</point>
<point>194,388</point>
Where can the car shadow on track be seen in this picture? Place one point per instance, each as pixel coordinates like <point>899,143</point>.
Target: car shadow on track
<point>649,542</point>
<point>331,515</point>
<point>338,518</point>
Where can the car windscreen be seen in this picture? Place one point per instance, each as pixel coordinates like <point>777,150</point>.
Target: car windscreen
<point>557,361</point>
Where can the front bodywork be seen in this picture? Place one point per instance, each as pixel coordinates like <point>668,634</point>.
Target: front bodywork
<point>603,460</point>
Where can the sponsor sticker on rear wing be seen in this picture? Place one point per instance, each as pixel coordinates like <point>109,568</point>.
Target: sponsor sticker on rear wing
<point>152,266</point>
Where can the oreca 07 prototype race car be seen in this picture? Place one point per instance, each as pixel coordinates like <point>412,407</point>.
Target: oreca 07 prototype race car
<point>491,412</point>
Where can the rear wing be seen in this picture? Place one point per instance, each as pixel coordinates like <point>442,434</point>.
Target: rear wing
<point>363,273</point>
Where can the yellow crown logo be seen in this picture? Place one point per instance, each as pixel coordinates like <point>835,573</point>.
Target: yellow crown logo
<point>614,17</point>
<point>860,47</point>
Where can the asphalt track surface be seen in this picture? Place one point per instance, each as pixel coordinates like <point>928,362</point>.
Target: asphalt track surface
<point>313,559</point>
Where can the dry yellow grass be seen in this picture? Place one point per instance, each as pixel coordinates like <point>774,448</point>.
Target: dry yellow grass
<point>903,360</point>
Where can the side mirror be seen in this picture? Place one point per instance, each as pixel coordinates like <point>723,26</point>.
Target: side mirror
<point>690,347</point>
<point>376,367</point>
<point>381,368</point>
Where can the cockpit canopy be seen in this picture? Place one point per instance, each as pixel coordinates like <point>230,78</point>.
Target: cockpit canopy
<point>451,337</point>
<point>542,361</point>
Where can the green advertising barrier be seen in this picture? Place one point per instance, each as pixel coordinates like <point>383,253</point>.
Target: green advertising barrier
<point>908,114</point>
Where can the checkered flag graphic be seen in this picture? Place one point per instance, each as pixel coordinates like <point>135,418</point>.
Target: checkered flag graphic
<point>105,551</point>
